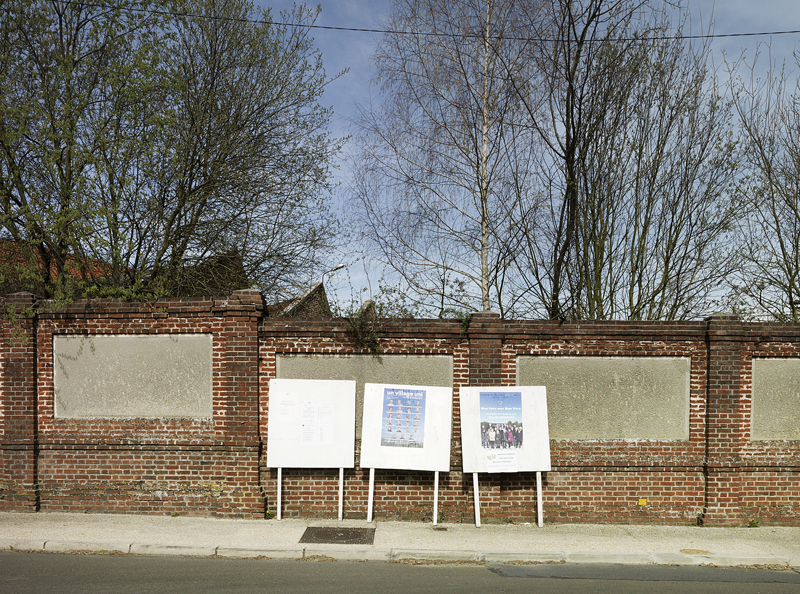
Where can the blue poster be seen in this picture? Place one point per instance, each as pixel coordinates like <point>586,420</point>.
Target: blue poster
<point>501,420</point>
<point>403,422</point>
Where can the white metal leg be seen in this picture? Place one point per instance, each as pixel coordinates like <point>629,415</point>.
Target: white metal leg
<point>477,500</point>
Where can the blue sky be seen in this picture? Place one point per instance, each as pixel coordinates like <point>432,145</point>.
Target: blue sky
<point>349,49</point>
<point>343,49</point>
<point>352,50</point>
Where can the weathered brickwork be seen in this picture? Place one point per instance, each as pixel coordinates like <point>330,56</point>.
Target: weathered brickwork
<point>184,480</point>
<point>218,466</point>
<point>188,466</point>
<point>18,482</point>
<point>398,494</point>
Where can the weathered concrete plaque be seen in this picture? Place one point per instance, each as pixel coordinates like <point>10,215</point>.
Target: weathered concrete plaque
<point>776,399</point>
<point>612,397</point>
<point>133,376</point>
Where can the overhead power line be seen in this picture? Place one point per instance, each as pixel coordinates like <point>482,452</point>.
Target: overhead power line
<point>401,32</point>
<point>398,32</point>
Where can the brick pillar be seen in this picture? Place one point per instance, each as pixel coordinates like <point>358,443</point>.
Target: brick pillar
<point>18,445</point>
<point>242,313</point>
<point>485,349</point>
<point>723,423</point>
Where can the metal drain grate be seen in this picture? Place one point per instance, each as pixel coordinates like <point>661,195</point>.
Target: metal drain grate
<point>338,536</point>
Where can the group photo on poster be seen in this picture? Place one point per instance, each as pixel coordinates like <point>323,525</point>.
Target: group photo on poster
<point>501,420</point>
<point>403,418</point>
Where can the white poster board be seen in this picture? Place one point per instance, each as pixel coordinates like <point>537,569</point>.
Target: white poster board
<point>406,427</point>
<point>504,429</point>
<point>311,423</point>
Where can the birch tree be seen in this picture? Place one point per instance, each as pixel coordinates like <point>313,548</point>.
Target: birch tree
<point>442,160</point>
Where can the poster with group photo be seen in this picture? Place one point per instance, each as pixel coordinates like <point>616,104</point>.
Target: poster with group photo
<point>501,420</point>
<point>406,427</point>
<point>311,424</point>
<point>505,429</point>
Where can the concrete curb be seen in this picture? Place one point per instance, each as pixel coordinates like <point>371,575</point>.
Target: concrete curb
<point>67,546</point>
<point>252,553</point>
<point>354,554</point>
<point>432,555</point>
<point>615,558</point>
<point>520,557</point>
<point>12,544</point>
<point>179,550</point>
<point>734,560</point>
<point>378,554</point>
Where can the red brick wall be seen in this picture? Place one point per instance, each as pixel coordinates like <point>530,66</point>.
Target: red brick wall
<point>18,447</point>
<point>768,471</point>
<point>218,467</point>
<point>398,494</point>
<point>608,480</point>
<point>206,467</point>
<point>704,478</point>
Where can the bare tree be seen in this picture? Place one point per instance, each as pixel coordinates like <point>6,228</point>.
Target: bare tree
<point>769,110</point>
<point>243,161</point>
<point>638,163</point>
<point>682,161</point>
<point>566,158</point>
<point>440,159</point>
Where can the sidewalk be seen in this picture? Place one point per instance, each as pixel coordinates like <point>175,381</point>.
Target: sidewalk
<point>396,541</point>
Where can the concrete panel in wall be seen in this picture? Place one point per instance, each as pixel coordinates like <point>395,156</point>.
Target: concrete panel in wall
<point>133,376</point>
<point>612,397</point>
<point>776,399</point>
<point>425,370</point>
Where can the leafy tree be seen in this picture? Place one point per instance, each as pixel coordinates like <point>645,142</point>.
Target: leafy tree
<point>243,160</point>
<point>149,143</point>
<point>76,80</point>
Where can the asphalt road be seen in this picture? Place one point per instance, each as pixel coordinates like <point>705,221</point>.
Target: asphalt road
<point>23,573</point>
